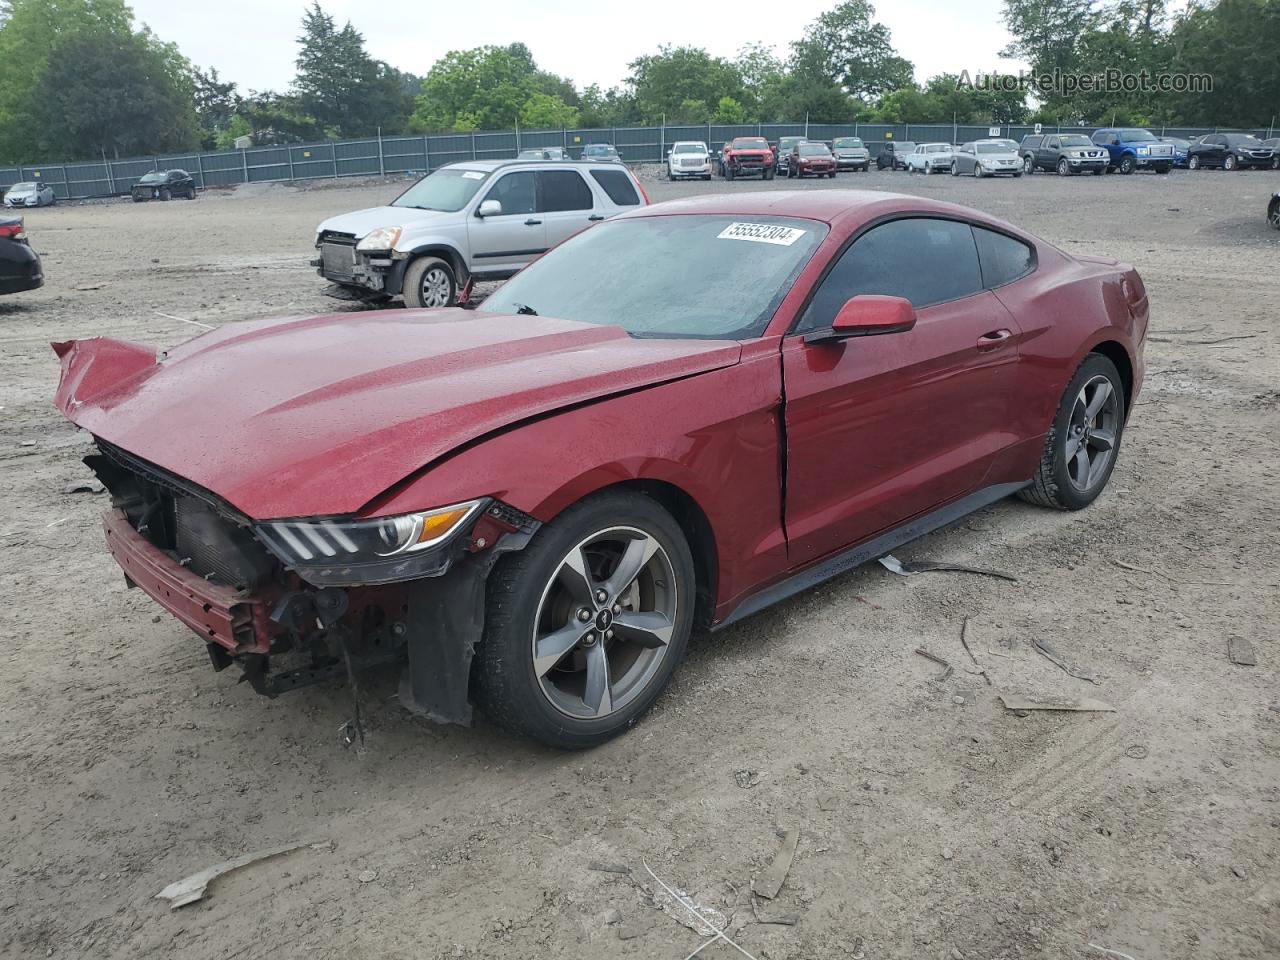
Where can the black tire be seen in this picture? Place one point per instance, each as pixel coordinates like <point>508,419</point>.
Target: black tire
<point>1053,485</point>
<point>416,281</point>
<point>1163,168</point>
<point>506,687</point>
<point>1028,165</point>
<point>1098,172</point>
<point>1273,213</point>
<point>769,174</point>
<point>1127,165</point>
<point>165,194</point>
<point>137,199</point>
<point>728,171</point>
<point>1229,162</point>
<point>1193,162</point>
<point>1064,168</point>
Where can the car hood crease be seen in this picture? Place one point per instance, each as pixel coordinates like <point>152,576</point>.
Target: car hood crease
<point>319,415</point>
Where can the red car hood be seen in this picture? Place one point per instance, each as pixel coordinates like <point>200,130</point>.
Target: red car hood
<point>318,415</point>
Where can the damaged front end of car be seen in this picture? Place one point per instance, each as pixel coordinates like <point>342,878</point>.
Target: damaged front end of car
<point>301,601</point>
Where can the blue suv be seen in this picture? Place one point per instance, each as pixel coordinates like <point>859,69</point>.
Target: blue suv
<point>1132,148</point>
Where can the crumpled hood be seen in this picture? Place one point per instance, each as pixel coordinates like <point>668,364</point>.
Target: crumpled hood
<point>362,222</point>
<point>307,416</point>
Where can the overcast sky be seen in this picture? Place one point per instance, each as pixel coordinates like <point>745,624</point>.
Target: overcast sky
<point>253,41</point>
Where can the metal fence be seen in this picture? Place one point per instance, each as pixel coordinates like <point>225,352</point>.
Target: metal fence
<point>381,156</point>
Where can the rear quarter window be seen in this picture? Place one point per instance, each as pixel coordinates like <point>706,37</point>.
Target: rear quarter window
<point>564,190</point>
<point>1003,259</point>
<point>618,186</point>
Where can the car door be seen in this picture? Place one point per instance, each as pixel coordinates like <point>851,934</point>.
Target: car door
<point>1046,156</point>
<point>880,429</point>
<point>566,204</point>
<point>507,241</point>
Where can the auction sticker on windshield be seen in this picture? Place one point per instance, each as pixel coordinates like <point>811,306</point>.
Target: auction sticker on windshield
<point>761,233</point>
<point>473,174</point>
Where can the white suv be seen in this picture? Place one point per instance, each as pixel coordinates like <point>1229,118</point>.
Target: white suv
<point>689,158</point>
<point>479,220</point>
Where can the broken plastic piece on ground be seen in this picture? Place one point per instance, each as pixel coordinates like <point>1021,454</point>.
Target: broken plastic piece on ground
<point>1241,652</point>
<point>947,668</point>
<point>190,889</point>
<point>770,882</point>
<point>1016,701</point>
<point>84,486</point>
<point>894,565</point>
<point>1053,656</point>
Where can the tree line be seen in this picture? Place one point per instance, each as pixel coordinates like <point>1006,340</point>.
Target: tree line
<point>81,79</point>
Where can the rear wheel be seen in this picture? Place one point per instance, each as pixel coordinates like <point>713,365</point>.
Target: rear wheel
<point>429,282</point>
<point>586,625</point>
<point>1084,439</point>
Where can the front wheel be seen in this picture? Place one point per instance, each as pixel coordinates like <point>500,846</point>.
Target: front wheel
<point>1230,162</point>
<point>1193,163</point>
<point>1064,168</point>
<point>1273,213</point>
<point>586,625</point>
<point>165,194</point>
<point>1126,165</point>
<point>429,282</point>
<point>1083,440</point>
<point>1028,165</point>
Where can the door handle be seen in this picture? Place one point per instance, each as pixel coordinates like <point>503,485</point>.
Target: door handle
<point>596,216</point>
<point>993,339</point>
<point>532,223</point>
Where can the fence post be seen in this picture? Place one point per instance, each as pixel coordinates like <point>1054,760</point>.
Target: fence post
<point>244,165</point>
<point>65,184</point>
<point>564,139</point>
<point>426,152</point>
<point>382,168</point>
<point>111,179</point>
<point>289,151</point>
<point>200,169</point>
<point>473,145</point>
<point>333,153</point>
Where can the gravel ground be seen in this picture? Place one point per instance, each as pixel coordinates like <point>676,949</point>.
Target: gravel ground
<point>933,823</point>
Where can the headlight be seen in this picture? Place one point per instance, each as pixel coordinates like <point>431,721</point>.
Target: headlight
<point>374,550</point>
<point>384,238</point>
<point>1144,149</point>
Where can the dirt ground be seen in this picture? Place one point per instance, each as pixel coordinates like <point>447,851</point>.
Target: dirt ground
<point>933,823</point>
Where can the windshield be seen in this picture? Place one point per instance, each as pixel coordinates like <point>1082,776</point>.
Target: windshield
<point>906,146</point>
<point>705,277</point>
<point>690,148</point>
<point>1137,136</point>
<point>152,178</point>
<point>599,150</point>
<point>848,142</point>
<point>1243,140</point>
<point>813,150</point>
<point>994,148</point>
<point>938,148</point>
<point>1077,141</point>
<point>1177,142</point>
<point>751,143</point>
<point>24,187</point>
<point>530,155</point>
<point>448,190</point>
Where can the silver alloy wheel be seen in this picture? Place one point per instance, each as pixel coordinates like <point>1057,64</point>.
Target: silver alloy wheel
<point>604,623</point>
<point>435,288</point>
<point>1273,215</point>
<point>1193,163</point>
<point>1028,165</point>
<point>977,169</point>
<point>1091,433</point>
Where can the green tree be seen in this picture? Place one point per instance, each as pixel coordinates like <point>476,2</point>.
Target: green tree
<point>1236,43</point>
<point>215,102</point>
<point>340,85</point>
<point>847,46</point>
<point>667,82</point>
<point>545,111</point>
<point>729,110</point>
<point>485,86</point>
<point>1046,33</point>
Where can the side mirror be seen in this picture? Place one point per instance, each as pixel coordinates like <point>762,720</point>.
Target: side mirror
<point>668,153</point>
<point>868,315</point>
<point>489,208</point>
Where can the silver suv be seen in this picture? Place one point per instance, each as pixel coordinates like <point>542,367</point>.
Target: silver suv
<point>480,220</point>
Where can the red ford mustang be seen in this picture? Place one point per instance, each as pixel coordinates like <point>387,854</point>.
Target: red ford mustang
<point>678,417</point>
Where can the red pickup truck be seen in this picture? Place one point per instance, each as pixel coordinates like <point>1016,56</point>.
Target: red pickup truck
<point>743,156</point>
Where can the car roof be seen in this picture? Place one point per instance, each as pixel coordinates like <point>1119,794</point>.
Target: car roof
<point>489,166</point>
<point>841,207</point>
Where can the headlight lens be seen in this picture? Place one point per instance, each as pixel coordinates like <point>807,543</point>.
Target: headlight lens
<point>384,238</point>
<point>349,542</point>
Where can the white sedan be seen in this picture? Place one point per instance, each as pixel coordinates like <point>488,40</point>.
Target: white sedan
<point>29,194</point>
<point>689,158</point>
<point>929,158</point>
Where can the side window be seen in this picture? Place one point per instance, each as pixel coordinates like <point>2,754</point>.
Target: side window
<point>517,192</point>
<point>618,186</point>
<point>1052,144</point>
<point>944,266</point>
<point>1003,258</point>
<point>562,190</point>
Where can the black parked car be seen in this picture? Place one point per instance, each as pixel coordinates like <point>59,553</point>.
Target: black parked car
<point>893,154</point>
<point>1274,146</point>
<point>164,185</point>
<point>19,265</point>
<point>1230,151</point>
